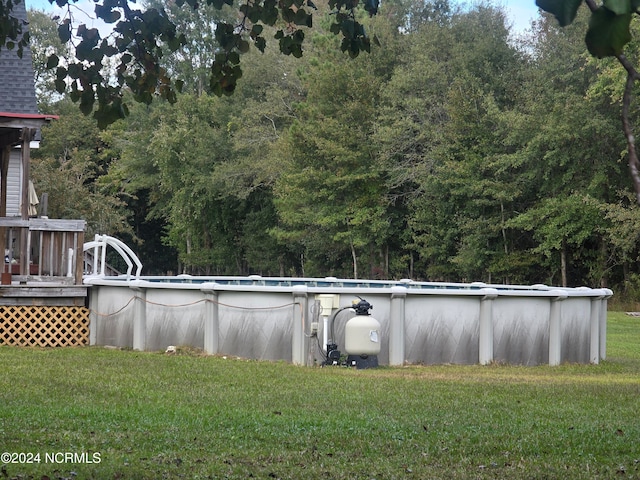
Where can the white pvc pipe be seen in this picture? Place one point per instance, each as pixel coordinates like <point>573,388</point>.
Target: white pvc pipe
<point>94,269</point>
<point>70,263</point>
<point>103,258</point>
<point>325,332</point>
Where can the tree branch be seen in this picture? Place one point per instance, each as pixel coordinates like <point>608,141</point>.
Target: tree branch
<point>634,164</point>
<point>632,77</point>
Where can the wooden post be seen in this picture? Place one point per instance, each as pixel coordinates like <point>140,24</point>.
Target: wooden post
<point>5,155</point>
<point>24,206</point>
<point>79,260</point>
<point>4,166</point>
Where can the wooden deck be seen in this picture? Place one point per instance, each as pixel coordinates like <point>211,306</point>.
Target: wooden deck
<point>43,295</point>
<point>43,262</point>
<point>42,298</point>
<point>43,305</point>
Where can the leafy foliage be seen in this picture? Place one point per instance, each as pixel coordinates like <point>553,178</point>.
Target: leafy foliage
<point>73,156</point>
<point>608,30</point>
<point>45,45</point>
<point>141,37</point>
<point>451,152</point>
<point>332,189</point>
<point>13,34</point>
<point>608,33</point>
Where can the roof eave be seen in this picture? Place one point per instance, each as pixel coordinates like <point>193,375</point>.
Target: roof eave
<point>22,120</point>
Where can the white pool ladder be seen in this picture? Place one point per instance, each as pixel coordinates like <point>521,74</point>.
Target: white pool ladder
<point>99,262</point>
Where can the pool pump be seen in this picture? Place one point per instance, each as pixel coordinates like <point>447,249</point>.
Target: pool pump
<point>361,338</point>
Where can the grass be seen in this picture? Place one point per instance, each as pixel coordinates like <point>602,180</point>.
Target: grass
<point>156,416</point>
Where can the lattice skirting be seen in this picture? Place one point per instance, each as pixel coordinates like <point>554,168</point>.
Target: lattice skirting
<point>39,326</point>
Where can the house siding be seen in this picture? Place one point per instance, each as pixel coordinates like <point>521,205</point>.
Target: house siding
<point>17,95</point>
<point>14,183</point>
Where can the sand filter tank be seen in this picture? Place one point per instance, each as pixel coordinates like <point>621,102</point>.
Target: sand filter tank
<point>362,337</point>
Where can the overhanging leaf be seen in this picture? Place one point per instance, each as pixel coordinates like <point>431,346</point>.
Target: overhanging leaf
<point>608,33</point>
<point>565,11</point>
<point>619,7</point>
<point>52,61</point>
<point>64,30</point>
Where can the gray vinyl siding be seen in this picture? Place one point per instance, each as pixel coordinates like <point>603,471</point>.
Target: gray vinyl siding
<point>17,95</point>
<point>14,182</point>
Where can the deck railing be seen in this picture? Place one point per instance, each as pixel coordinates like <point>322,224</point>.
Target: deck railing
<point>42,250</point>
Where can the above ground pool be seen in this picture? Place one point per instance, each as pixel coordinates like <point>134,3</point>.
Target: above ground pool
<point>293,319</point>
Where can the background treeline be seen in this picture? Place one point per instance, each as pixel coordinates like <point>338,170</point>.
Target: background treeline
<point>455,151</point>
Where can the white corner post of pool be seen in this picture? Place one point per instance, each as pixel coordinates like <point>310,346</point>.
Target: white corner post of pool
<point>292,319</point>
<point>139,315</point>
<point>299,337</point>
<point>603,325</point>
<point>599,327</point>
<point>485,336</point>
<point>211,319</point>
<point>93,317</point>
<point>555,327</point>
<point>396,326</point>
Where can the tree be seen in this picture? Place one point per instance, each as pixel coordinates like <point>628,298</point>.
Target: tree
<point>183,145</point>
<point>73,155</point>
<point>560,224</point>
<point>140,37</point>
<point>331,196</point>
<point>623,236</point>
<point>44,42</point>
<point>448,153</point>
<point>191,61</point>
<point>224,160</point>
<point>568,174</point>
<point>442,134</point>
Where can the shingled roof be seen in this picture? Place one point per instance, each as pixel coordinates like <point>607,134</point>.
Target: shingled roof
<point>17,90</point>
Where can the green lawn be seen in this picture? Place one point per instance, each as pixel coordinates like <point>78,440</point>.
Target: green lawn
<point>155,416</point>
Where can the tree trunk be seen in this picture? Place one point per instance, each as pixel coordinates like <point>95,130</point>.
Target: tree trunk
<point>604,280</point>
<point>355,261</point>
<point>504,231</point>
<point>411,265</point>
<point>563,263</point>
<point>386,262</point>
<point>375,259</point>
<point>184,270</point>
<point>207,247</point>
